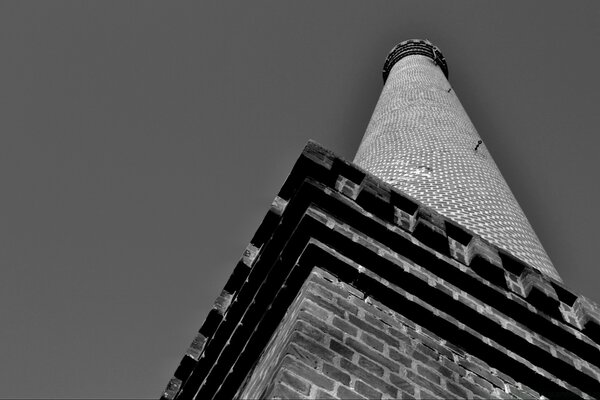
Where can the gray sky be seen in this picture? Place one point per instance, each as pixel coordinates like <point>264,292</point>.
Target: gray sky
<point>142,143</point>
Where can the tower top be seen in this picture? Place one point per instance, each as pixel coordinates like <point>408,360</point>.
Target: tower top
<point>414,47</point>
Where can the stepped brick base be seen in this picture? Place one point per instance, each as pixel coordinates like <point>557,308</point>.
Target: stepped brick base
<point>352,289</point>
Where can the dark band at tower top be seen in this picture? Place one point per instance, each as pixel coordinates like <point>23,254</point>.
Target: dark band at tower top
<point>414,47</point>
<point>421,140</point>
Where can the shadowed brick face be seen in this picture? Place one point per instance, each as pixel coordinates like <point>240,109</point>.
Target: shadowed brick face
<point>352,289</point>
<point>419,366</point>
<point>421,140</point>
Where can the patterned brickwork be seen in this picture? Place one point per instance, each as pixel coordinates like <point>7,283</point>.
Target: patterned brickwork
<point>352,289</point>
<point>421,140</point>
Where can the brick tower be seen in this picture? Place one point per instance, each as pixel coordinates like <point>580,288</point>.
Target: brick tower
<point>411,274</point>
<point>421,140</point>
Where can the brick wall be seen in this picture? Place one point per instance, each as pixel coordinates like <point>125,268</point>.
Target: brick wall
<point>340,344</point>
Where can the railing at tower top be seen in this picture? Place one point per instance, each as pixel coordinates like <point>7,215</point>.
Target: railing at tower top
<point>414,47</point>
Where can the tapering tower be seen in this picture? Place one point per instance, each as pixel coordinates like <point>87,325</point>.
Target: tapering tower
<point>421,140</point>
<point>412,275</point>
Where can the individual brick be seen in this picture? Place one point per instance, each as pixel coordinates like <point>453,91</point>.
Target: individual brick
<point>373,355</point>
<point>400,336</point>
<point>371,341</point>
<point>312,347</point>
<point>172,389</point>
<point>320,394</point>
<point>369,378</point>
<point>341,349</point>
<point>250,255</point>
<point>196,347</point>
<point>347,394</point>
<point>562,355</point>
<point>295,382</point>
<point>323,326</point>
<point>318,154</point>
<point>401,358</point>
<point>310,331</point>
<point>339,288</point>
<point>518,393</point>
<point>446,372</point>
<point>446,287</point>
<point>376,322</point>
<point>486,374</point>
<point>437,347</point>
<point>456,389</point>
<point>336,374</point>
<point>319,290</point>
<point>302,355</point>
<point>455,349</point>
<point>370,366</point>
<point>222,302</point>
<point>424,353</point>
<point>516,329</point>
<point>428,395</point>
<point>326,304</point>
<point>482,382</point>
<point>406,396</point>
<point>313,309</point>
<point>366,390</point>
<point>470,363</point>
<point>504,377</point>
<point>311,375</point>
<point>590,372</point>
<point>500,394</point>
<point>476,389</point>
<point>429,374</point>
<point>347,187</point>
<point>346,305</point>
<point>378,333</point>
<point>424,383</point>
<point>367,242</point>
<point>278,205</point>
<point>402,384</point>
<point>280,391</point>
<point>345,326</point>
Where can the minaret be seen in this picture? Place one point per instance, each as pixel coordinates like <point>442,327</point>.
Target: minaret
<point>421,140</point>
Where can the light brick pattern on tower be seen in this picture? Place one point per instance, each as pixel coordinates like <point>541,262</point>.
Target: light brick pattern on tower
<point>421,140</point>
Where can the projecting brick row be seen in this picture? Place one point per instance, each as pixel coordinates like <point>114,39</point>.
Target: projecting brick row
<point>484,309</point>
<point>468,249</point>
<point>533,280</point>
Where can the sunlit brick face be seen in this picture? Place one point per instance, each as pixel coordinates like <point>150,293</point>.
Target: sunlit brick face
<point>421,140</point>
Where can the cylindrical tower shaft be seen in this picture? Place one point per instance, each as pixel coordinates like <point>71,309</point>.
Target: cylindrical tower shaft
<point>421,140</point>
